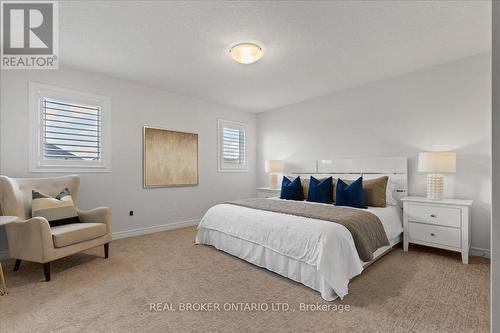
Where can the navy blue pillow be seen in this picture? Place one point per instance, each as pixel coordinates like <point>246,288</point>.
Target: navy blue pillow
<point>351,195</point>
<point>320,191</point>
<point>291,190</point>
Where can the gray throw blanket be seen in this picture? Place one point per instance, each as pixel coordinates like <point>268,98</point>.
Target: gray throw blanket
<point>366,229</point>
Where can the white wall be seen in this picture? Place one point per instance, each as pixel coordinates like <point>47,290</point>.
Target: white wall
<point>495,225</point>
<point>132,107</point>
<point>446,107</point>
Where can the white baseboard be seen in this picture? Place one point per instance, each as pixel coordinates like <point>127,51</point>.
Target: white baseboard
<point>479,252</point>
<point>153,229</point>
<point>4,255</point>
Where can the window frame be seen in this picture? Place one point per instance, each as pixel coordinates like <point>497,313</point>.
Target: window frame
<point>37,163</point>
<point>224,167</point>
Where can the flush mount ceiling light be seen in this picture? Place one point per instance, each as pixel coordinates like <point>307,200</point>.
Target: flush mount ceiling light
<point>246,53</point>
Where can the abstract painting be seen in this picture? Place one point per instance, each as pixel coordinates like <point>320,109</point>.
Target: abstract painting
<point>170,158</point>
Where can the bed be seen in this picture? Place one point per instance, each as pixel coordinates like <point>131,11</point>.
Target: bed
<point>317,253</point>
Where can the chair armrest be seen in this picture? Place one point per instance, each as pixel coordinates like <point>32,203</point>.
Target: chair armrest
<point>96,215</point>
<point>29,239</point>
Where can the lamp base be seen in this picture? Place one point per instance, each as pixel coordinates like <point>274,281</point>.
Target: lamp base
<point>274,181</point>
<point>435,186</point>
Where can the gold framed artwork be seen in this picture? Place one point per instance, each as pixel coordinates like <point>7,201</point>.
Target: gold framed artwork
<point>170,158</point>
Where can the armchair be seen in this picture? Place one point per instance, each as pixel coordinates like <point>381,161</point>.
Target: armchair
<point>32,238</point>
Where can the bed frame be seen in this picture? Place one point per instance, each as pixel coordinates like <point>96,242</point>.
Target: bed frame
<point>396,168</point>
<point>393,167</point>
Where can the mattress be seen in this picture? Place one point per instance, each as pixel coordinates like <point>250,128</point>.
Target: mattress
<point>321,254</point>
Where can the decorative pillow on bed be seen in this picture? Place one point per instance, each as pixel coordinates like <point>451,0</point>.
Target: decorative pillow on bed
<point>58,211</point>
<point>375,191</point>
<point>320,190</point>
<point>291,190</point>
<point>305,186</point>
<point>350,195</point>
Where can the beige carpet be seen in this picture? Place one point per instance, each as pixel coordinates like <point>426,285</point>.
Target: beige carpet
<point>423,290</point>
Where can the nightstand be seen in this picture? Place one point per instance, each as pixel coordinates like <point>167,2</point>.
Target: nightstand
<point>268,192</point>
<point>443,224</point>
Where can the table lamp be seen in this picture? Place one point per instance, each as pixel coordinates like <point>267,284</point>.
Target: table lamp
<point>435,164</point>
<point>273,168</point>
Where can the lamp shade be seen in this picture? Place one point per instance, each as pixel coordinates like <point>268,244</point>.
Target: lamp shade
<point>273,166</point>
<point>437,162</point>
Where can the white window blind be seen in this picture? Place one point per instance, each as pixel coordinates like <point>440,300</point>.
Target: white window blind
<point>232,146</point>
<point>71,131</point>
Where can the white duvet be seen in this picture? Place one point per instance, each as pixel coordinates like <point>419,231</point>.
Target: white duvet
<point>326,245</point>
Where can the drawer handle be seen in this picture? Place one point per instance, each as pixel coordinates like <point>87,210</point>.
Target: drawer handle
<point>432,234</point>
<point>433,215</point>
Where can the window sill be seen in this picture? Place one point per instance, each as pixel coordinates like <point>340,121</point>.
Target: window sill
<point>232,170</point>
<point>72,169</point>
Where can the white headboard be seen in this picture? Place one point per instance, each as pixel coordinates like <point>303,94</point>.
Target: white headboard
<point>396,168</point>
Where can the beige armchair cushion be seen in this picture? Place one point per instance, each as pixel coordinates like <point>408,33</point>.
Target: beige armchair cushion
<point>73,233</point>
<point>58,211</point>
<point>16,193</point>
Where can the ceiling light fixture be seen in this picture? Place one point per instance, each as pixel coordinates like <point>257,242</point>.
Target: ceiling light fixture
<point>246,53</point>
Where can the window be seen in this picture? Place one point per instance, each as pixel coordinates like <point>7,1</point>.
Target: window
<point>69,130</point>
<point>232,137</point>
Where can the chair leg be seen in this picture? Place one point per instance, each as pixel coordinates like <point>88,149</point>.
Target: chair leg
<point>46,270</point>
<point>17,264</point>
<point>106,250</point>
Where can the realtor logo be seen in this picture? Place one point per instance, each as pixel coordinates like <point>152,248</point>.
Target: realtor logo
<point>29,35</point>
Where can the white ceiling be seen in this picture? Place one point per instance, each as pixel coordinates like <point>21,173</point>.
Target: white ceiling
<point>311,48</point>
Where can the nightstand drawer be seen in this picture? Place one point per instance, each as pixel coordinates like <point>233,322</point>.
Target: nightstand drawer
<point>434,234</point>
<point>447,216</point>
